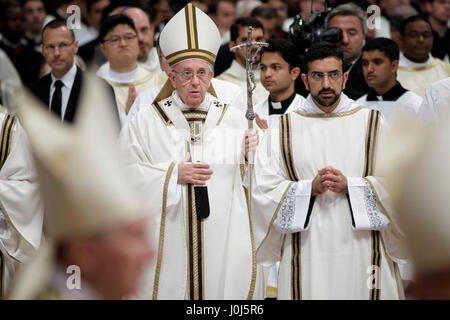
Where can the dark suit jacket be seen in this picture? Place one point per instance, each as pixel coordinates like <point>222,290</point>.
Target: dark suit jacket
<point>41,89</point>
<point>356,85</point>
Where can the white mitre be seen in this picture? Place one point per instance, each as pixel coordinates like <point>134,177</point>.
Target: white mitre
<point>419,178</point>
<point>190,34</point>
<point>84,185</point>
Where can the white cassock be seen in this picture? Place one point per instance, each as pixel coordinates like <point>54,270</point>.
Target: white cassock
<point>262,108</point>
<point>236,74</point>
<point>418,76</point>
<point>227,92</point>
<point>329,246</point>
<point>209,258</point>
<point>139,77</point>
<point>21,208</point>
<point>436,100</point>
<point>396,101</point>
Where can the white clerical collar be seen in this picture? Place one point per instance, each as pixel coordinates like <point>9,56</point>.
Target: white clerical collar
<point>204,105</point>
<point>239,71</point>
<point>405,62</point>
<point>345,104</point>
<point>121,77</point>
<point>68,78</point>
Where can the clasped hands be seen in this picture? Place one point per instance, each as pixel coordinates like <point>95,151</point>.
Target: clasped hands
<point>331,179</point>
<point>198,173</point>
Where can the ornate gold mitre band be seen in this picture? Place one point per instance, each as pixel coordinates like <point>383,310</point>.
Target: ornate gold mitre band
<point>176,57</point>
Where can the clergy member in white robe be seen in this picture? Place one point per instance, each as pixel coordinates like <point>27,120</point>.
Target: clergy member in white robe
<point>204,235</point>
<point>380,59</point>
<point>396,100</point>
<point>280,67</point>
<point>96,225</point>
<point>21,209</point>
<point>417,67</point>
<point>119,44</point>
<point>318,206</point>
<point>418,76</point>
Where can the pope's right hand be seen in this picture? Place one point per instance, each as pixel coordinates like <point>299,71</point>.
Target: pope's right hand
<point>193,172</point>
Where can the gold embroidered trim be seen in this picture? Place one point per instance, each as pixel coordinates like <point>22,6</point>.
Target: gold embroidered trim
<point>161,231</point>
<point>328,115</point>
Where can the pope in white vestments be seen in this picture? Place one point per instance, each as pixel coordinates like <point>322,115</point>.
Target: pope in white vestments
<point>204,236</point>
<point>332,242</point>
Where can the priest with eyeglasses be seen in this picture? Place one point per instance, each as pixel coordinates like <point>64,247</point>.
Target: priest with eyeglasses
<point>319,205</point>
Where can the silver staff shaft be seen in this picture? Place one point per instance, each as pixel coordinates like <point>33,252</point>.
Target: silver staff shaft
<point>251,85</point>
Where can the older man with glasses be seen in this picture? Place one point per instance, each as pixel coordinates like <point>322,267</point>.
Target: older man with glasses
<point>185,152</point>
<point>119,43</point>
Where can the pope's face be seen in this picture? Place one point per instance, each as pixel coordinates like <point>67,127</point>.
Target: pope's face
<point>191,78</point>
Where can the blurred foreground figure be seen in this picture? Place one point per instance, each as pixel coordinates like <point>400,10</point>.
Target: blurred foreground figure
<point>21,209</point>
<point>97,244</point>
<point>423,202</point>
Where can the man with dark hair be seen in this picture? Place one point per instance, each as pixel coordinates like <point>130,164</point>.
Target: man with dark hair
<point>280,67</point>
<point>438,15</point>
<point>223,12</point>
<point>279,70</point>
<point>119,44</point>
<point>316,169</point>
<point>94,10</point>
<point>25,59</point>
<point>399,14</point>
<point>417,67</point>
<point>281,9</point>
<point>268,18</point>
<point>380,63</point>
<point>60,89</point>
<point>34,19</point>
<point>352,21</point>
<point>236,72</point>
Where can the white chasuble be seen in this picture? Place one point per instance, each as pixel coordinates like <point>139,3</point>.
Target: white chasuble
<point>330,246</point>
<point>197,258</point>
<point>21,209</point>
